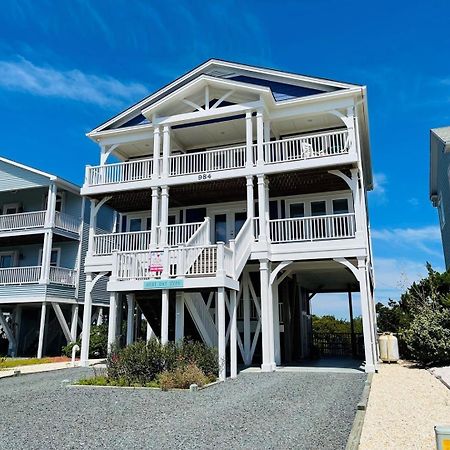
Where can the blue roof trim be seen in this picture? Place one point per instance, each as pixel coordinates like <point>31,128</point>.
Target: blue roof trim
<point>280,91</point>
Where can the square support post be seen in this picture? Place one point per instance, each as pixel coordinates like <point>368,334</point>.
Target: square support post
<point>247,321</point>
<point>233,334</point>
<point>155,215</point>
<point>250,198</point>
<point>130,318</point>
<point>221,332</point>
<point>87,319</point>
<point>260,137</point>
<point>112,320</point>
<point>166,151</point>
<point>249,139</point>
<point>42,330</point>
<point>179,316</point>
<point>276,323</point>
<point>156,150</point>
<point>262,206</point>
<point>164,316</point>
<point>268,362</point>
<point>164,215</point>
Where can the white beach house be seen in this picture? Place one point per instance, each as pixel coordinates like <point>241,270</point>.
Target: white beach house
<point>241,193</point>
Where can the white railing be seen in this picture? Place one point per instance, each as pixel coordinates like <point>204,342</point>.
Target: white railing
<point>62,275</point>
<point>180,233</point>
<point>337,226</point>
<point>20,275</point>
<point>105,244</point>
<point>242,246</point>
<point>306,147</point>
<point>132,265</point>
<point>22,221</point>
<point>123,172</point>
<point>195,261</point>
<point>67,222</point>
<point>208,161</point>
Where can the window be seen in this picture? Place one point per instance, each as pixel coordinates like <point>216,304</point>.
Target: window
<point>135,224</point>
<point>296,210</point>
<point>59,202</point>
<point>195,215</point>
<point>318,208</point>
<point>340,206</point>
<point>11,208</point>
<point>7,260</point>
<point>54,257</point>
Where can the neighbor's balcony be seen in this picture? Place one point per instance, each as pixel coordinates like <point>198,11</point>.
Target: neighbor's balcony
<point>36,219</point>
<point>32,274</point>
<point>306,147</point>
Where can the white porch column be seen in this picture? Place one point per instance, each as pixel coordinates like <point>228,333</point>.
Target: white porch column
<point>130,318</point>
<point>233,334</point>
<point>51,206</point>
<point>87,318</point>
<point>166,151</point>
<point>48,236</point>
<point>42,330</point>
<point>164,316</point>
<point>369,341</point>
<point>247,323</point>
<point>156,150</point>
<point>262,206</point>
<point>164,214</point>
<point>155,216</point>
<point>249,139</point>
<point>74,323</point>
<point>276,324</point>
<point>112,320</point>
<point>268,363</point>
<point>179,316</point>
<point>260,137</point>
<point>250,198</point>
<point>92,225</point>
<point>357,207</point>
<point>221,332</point>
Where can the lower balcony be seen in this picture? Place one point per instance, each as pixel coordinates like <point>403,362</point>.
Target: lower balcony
<point>32,274</point>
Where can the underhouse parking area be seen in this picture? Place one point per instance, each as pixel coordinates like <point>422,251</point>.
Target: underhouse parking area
<point>300,410</point>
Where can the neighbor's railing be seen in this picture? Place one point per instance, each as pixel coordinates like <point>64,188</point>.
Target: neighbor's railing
<point>67,222</point>
<point>335,226</point>
<point>62,275</point>
<point>306,147</point>
<point>20,221</point>
<point>123,172</point>
<point>20,275</point>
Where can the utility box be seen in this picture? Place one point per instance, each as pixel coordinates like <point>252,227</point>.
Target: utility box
<point>442,437</point>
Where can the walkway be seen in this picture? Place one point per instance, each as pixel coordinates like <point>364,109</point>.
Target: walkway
<point>405,404</point>
<point>254,411</point>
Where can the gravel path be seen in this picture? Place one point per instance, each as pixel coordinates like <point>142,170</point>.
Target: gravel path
<point>405,404</point>
<point>255,411</point>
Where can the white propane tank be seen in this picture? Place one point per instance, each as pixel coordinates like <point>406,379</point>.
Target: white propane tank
<point>388,348</point>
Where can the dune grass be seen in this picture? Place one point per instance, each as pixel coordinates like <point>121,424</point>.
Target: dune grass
<point>10,363</point>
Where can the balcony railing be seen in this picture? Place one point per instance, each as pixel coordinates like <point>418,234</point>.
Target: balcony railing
<point>178,234</point>
<point>67,222</point>
<point>36,219</point>
<point>336,226</point>
<point>22,221</point>
<point>123,172</point>
<point>32,274</point>
<point>304,147</point>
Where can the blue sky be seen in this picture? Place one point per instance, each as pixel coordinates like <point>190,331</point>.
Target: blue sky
<point>67,66</point>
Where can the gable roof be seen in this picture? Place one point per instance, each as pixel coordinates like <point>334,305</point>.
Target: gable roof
<point>283,86</point>
<point>59,181</point>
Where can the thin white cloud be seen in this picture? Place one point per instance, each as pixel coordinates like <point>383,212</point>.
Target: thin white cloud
<point>379,186</point>
<point>424,238</point>
<point>23,76</point>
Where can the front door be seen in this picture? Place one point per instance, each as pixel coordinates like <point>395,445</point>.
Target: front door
<point>226,225</point>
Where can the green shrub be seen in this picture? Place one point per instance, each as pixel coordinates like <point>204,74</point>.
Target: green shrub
<point>428,337</point>
<point>142,362</point>
<point>98,343</point>
<point>182,377</point>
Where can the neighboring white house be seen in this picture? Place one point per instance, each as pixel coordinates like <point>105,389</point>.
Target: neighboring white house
<point>241,193</point>
<point>440,182</point>
<point>41,260</point>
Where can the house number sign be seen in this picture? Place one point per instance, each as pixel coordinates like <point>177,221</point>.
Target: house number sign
<point>204,176</point>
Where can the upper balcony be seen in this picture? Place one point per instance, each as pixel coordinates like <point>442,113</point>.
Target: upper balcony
<point>295,153</point>
<point>34,222</point>
<point>11,276</point>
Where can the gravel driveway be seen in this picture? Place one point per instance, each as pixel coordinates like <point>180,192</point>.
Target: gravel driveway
<point>255,411</point>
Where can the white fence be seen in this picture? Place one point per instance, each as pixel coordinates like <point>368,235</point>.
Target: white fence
<point>181,233</point>
<point>119,172</point>
<point>336,226</point>
<point>61,275</point>
<point>67,222</point>
<point>208,161</point>
<point>22,221</point>
<point>105,244</point>
<point>20,275</point>
<point>306,147</point>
